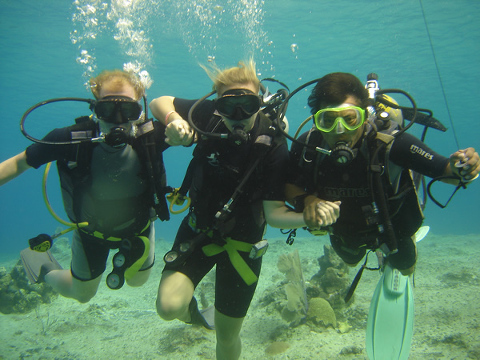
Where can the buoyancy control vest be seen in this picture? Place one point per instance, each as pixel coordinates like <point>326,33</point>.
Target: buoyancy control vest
<point>394,193</point>
<point>75,174</point>
<point>393,210</point>
<point>220,179</point>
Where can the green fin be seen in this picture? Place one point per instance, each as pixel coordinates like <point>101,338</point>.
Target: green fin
<point>38,264</point>
<point>390,318</point>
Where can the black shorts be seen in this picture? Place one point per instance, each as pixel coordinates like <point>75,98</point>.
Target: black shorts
<point>405,258</point>
<point>232,295</point>
<point>90,254</point>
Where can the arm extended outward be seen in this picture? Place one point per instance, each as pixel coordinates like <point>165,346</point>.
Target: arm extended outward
<point>13,167</point>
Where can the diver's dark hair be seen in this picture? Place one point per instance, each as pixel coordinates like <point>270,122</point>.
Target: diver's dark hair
<point>333,89</point>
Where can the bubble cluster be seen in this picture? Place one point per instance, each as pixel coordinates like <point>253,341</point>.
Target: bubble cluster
<point>202,25</point>
<point>87,25</point>
<point>207,25</point>
<point>130,18</point>
<point>124,20</point>
<point>143,75</point>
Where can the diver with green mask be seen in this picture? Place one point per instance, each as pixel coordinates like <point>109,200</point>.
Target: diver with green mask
<point>347,132</point>
<point>113,184</point>
<point>352,156</point>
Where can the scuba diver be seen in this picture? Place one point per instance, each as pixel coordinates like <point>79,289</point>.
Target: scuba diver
<point>238,166</point>
<point>112,177</point>
<point>368,168</point>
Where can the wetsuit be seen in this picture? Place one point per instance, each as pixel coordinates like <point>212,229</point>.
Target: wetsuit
<point>351,235</point>
<point>218,168</point>
<point>109,190</point>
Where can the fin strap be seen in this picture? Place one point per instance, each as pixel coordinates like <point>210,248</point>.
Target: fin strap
<point>196,317</point>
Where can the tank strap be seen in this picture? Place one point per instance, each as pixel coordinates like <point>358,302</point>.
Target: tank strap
<point>154,165</point>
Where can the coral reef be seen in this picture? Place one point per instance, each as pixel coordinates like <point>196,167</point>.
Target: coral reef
<point>319,302</point>
<point>297,304</point>
<point>320,312</point>
<point>332,280</point>
<point>276,348</point>
<point>17,295</point>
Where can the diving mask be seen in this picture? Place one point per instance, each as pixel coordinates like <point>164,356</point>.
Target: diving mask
<point>107,108</point>
<point>348,115</point>
<point>238,104</point>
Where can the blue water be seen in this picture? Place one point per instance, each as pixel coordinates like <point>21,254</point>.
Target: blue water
<point>293,41</point>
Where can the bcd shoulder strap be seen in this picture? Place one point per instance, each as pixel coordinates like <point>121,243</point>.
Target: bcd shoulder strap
<point>74,173</point>
<point>146,146</point>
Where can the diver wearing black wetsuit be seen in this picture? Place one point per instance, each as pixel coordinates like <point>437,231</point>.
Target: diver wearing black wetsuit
<point>351,235</point>
<point>109,190</point>
<point>219,166</point>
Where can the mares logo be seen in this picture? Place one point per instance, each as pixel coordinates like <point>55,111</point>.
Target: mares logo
<point>414,149</point>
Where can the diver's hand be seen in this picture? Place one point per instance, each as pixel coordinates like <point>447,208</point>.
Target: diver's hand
<point>179,132</point>
<point>318,213</point>
<point>465,163</point>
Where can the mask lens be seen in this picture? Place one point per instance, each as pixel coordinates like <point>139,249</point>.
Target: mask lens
<point>104,109</point>
<point>351,117</point>
<point>130,110</point>
<point>238,107</point>
<point>107,110</point>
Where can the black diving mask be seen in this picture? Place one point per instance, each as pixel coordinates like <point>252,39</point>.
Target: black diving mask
<point>238,104</point>
<point>107,108</point>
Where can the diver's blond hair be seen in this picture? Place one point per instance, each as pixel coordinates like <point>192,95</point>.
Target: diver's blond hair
<point>243,73</point>
<point>118,78</point>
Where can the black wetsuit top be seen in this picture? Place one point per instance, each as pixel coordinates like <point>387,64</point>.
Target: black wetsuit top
<point>115,197</point>
<point>221,165</point>
<point>350,184</point>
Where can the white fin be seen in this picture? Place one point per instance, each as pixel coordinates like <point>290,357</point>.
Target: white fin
<point>421,233</point>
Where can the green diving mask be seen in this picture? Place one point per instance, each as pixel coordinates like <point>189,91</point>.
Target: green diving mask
<point>107,108</point>
<point>238,104</point>
<point>350,116</point>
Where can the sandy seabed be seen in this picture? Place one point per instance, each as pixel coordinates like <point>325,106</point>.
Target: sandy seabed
<point>123,324</point>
